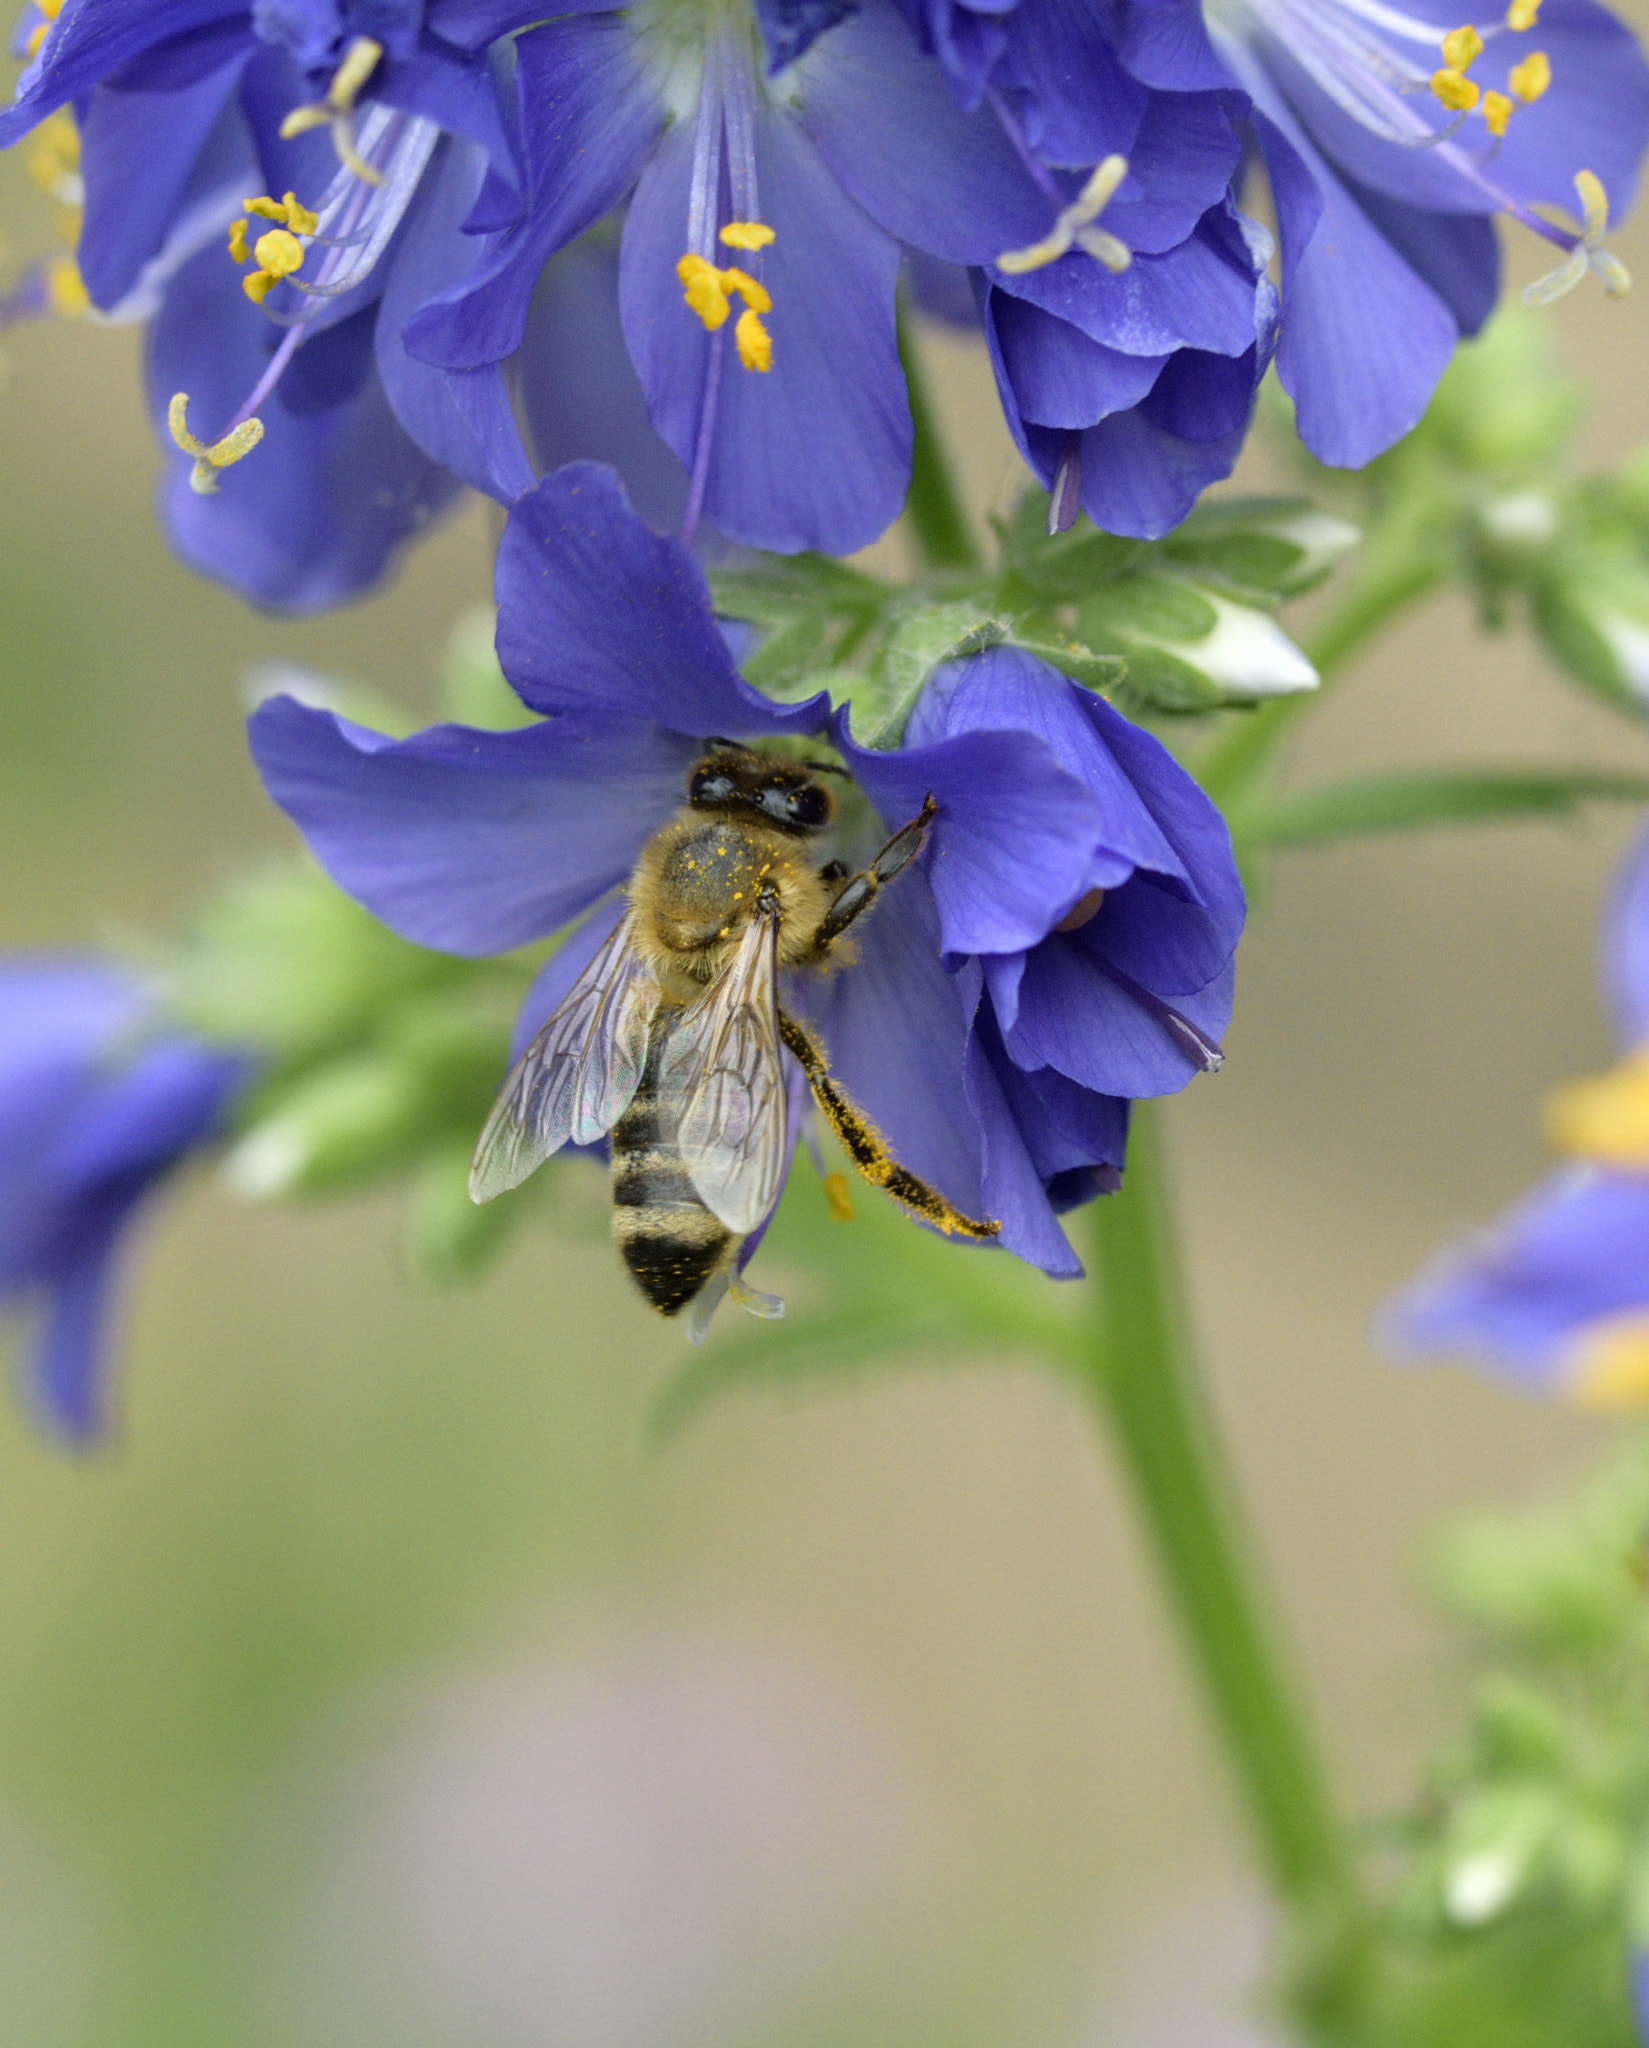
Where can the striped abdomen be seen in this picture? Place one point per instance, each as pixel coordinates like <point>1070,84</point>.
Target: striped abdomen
<point>670,1241</point>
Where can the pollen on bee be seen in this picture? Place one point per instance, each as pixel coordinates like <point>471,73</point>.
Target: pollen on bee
<point>836,1194</point>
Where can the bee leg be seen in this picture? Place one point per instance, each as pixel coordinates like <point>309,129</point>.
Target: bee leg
<point>866,1146</point>
<point>862,889</point>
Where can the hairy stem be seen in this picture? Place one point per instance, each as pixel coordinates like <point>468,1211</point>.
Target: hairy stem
<point>1141,1373</point>
<point>933,509</point>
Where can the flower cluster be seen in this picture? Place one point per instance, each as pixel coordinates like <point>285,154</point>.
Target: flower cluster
<point>1556,1296</point>
<point>1063,944</point>
<point>98,1102</point>
<point>372,238</point>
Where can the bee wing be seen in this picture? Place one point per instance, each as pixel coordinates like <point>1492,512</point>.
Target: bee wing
<point>576,1079</point>
<point>724,1064</point>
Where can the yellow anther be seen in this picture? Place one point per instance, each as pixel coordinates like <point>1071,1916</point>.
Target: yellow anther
<point>237,241</point>
<point>746,234</point>
<point>836,1194</point>
<point>1460,46</point>
<point>1523,14</point>
<point>220,455</point>
<point>1074,228</point>
<point>754,343</point>
<point>1588,252</point>
<point>266,208</point>
<point>709,293</point>
<point>334,112</point>
<point>278,254</point>
<point>1497,111</point>
<point>1457,92</point>
<point>299,218</point>
<point>1530,78</point>
<point>1609,1364</point>
<point>705,293</point>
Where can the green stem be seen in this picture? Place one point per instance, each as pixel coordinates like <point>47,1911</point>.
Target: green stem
<point>933,509</point>
<point>1142,1376</point>
<point>1235,762</point>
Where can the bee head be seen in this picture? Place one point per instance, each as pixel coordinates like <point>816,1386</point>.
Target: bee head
<point>737,781</point>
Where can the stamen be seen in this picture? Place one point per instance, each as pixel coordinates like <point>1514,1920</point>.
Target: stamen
<point>1497,111</point>
<point>708,291</point>
<point>1530,78</point>
<point>1209,1056</point>
<point>238,442</point>
<point>836,1194</point>
<point>52,156</point>
<point>1074,228</point>
<point>337,110</point>
<point>277,256</point>
<point>66,291</point>
<point>1457,92</point>
<point>1523,14</point>
<point>1460,46</point>
<point>1587,252</point>
<point>746,234</point>
<point>1066,500</point>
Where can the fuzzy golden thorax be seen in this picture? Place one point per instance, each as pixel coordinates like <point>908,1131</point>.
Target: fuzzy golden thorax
<point>695,889</point>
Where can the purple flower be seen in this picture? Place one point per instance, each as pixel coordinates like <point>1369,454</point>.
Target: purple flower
<point>383,117</point>
<point>96,1107</point>
<point>1555,1297</point>
<point>1064,943</point>
<point>1390,151</point>
<point>761,246</point>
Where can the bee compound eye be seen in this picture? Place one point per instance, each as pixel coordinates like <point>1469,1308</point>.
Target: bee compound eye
<point>810,805</point>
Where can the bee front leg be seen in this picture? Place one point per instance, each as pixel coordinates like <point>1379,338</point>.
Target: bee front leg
<point>861,890</point>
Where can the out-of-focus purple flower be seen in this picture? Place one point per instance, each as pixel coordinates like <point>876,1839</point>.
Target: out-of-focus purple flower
<point>97,1105</point>
<point>1555,1297</point>
<point>1064,945</point>
<point>1392,143</point>
<point>384,116</point>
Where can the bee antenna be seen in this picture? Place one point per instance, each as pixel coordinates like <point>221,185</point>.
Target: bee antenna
<point>715,744</point>
<point>826,768</point>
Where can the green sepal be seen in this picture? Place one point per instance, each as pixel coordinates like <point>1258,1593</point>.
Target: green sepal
<point>1104,673</point>
<point>1261,549</point>
<point>1593,617</point>
<point>921,641</point>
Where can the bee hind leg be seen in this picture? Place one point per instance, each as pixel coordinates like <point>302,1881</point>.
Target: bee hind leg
<point>860,891</point>
<point>867,1148</point>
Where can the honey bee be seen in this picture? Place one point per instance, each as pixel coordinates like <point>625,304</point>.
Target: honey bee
<point>669,1043</point>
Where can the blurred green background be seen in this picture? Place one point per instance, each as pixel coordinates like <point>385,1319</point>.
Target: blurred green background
<point>379,1684</point>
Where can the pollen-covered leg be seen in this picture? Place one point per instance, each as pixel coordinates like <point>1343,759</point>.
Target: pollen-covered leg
<point>861,890</point>
<point>866,1146</point>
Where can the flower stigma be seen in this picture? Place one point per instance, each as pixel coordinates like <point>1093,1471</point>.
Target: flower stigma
<point>1586,252</point>
<point>1074,228</point>
<point>221,454</point>
<point>337,110</point>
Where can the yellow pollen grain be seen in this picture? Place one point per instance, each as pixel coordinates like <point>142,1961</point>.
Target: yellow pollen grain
<point>1609,1364</point>
<point>706,295</point>
<point>1460,46</point>
<point>1531,78</point>
<point>746,234</point>
<point>1497,111</point>
<point>278,255</point>
<point>1455,90</point>
<point>1523,14</point>
<point>237,241</point>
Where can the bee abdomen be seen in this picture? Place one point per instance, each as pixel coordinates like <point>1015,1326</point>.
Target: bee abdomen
<point>669,1240</point>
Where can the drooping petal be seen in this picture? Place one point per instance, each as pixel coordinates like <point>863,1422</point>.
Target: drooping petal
<point>598,612</point>
<point>90,41</point>
<point>588,118</point>
<point>68,1372</point>
<point>1053,375</point>
<point>1073,1016</point>
<point>1358,383</point>
<point>887,124</point>
<point>1165,43</point>
<point>138,156</point>
<point>460,418</point>
<point>815,451</point>
<point>1625,963</point>
<point>472,842</point>
<point>1073,100</point>
<point>143,1116</point>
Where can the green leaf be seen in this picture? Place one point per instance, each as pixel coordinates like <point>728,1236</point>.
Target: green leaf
<point>923,640</point>
<point>1408,800</point>
<point>782,587</point>
<point>1263,548</point>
